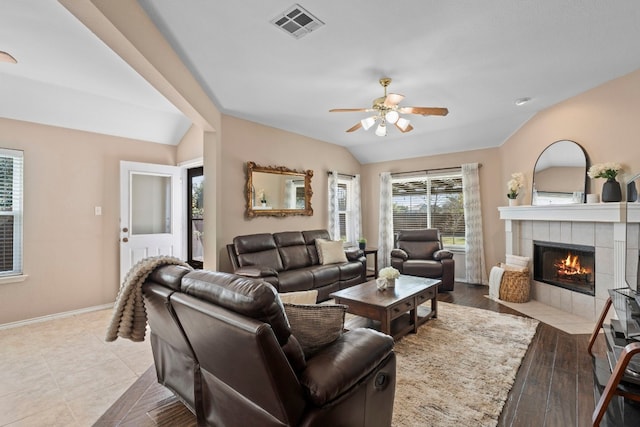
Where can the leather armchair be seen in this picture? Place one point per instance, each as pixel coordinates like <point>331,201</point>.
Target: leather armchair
<point>420,253</point>
<point>249,369</point>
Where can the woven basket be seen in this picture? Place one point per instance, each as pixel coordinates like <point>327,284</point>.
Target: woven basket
<point>515,286</point>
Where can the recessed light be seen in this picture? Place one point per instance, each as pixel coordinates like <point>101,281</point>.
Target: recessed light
<point>521,101</point>
<point>5,57</point>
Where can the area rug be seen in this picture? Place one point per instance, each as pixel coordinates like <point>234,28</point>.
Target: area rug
<point>458,369</point>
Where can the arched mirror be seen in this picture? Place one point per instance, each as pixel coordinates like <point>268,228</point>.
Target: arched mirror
<point>560,174</point>
<point>278,191</point>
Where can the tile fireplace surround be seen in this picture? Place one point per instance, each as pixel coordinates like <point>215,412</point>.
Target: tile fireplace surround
<point>602,225</point>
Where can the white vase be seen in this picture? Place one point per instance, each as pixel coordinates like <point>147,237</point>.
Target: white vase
<point>513,202</point>
<point>391,283</point>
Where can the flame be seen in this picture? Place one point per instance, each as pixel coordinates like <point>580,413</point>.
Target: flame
<point>570,266</point>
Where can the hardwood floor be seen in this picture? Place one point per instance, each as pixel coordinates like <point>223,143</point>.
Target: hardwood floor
<point>553,388</point>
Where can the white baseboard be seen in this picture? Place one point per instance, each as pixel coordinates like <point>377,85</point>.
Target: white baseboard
<point>54,316</point>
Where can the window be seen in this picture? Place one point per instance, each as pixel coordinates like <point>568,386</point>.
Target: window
<point>195,217</point>
<point>345,207</point>
<point>430,201</point>
<point>10,212</point>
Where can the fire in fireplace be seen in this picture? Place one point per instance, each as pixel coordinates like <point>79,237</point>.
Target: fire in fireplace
<point>565,265</point>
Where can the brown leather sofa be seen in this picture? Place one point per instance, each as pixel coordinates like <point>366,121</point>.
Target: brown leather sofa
<point>289,261</point>
<point>420,253</point>
<point>223,344</point>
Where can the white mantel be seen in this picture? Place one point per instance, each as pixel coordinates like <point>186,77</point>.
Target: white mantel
<point>555,220</point>
<point>593,212</point>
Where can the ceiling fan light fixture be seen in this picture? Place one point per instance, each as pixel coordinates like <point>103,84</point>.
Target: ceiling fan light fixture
<point>403,123</point>
<point>522,101</point>
<point>381,130</point>
<point>392,116</point>
<point>6,57</point>
<point>368,122</point>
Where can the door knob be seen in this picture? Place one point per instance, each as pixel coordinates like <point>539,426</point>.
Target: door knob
<point>125,230</point>
<point>125,239</point>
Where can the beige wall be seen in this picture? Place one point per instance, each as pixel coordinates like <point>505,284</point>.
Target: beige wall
<point>560,179</point>
<point>492,193</point>
<point>71,256</point>
<point>244,141</point>
<point>191,146</point>
<point>604,121</point>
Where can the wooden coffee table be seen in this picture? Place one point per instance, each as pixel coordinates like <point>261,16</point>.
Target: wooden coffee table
<point>397,309</point>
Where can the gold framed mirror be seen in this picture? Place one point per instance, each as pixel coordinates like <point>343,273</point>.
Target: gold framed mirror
<point>278,191</point>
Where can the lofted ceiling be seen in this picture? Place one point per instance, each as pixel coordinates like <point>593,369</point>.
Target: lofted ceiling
<point>475,58</point>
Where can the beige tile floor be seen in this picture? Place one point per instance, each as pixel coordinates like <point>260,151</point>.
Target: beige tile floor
<point>569,323</point>
<point>61,372</point>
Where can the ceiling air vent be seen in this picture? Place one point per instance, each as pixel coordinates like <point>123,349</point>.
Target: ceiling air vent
<point>297,21</point>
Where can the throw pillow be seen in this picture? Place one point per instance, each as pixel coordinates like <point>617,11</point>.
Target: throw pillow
<point>301,297</point>
<point>511,267</point>
<point>521,261</point>
<point>330,251</point>
<point>315,326</point>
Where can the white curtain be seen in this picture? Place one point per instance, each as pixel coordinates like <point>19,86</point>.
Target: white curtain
<point>475,265</point>
<point>334,217</point>
<point>355,229</point>
<point>385,227</point>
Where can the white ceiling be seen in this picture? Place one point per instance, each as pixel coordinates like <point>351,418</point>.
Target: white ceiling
<point>475,58</point>
<point>66,76</point>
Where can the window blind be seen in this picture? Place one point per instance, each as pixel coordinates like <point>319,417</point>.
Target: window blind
<point>11,212</point>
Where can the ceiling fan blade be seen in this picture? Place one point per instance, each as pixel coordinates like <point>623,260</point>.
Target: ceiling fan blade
<point>355,127</point>
<point>425,111</point>
<point>347,110</point>
<point>393,99</point>
<point>409,128</point>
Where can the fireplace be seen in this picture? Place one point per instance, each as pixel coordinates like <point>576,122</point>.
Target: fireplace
<point>568,266</point>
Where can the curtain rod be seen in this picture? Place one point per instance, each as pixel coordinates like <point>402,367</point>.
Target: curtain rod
<point>432,170</point>
<point>342,174</point>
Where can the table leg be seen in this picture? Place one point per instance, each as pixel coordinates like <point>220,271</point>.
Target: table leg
<point>385,323</point>
<point>434,305</point>
<point>414,316</point>
<point>375,263</point>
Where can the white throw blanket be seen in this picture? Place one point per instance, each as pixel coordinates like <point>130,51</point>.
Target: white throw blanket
<point>129,319</point>
<point>495,277</point>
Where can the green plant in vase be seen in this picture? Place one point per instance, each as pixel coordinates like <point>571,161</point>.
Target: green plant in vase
<point>362,243</point>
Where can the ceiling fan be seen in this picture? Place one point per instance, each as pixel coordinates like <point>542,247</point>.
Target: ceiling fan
<point>387,111</point>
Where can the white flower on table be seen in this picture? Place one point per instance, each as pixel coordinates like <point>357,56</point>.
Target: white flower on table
<point>389,273</point>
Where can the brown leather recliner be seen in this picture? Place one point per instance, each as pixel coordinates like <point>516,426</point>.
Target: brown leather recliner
<point>420,253</point>
<point>250,370</point>
<point>175,363</point>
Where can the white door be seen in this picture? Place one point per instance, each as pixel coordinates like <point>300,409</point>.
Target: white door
<point>151,211</point>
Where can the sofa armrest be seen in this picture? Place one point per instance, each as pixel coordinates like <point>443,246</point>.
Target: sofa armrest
<point>442,254</point>
<point>399,253</point>
<point>345,362</point>
<point>354,254</point>
<point>256,271</point>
